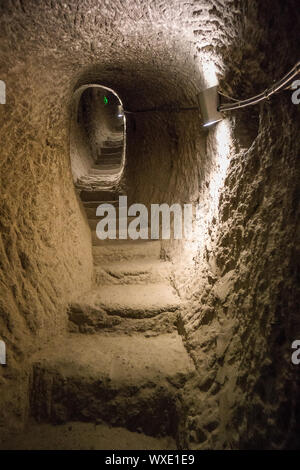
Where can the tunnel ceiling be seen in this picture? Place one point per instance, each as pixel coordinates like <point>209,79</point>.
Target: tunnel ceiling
<point>150,53</point>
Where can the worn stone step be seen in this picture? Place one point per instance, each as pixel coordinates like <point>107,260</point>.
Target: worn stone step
<point>99,182</point>
<point>91,207</point>
<point>117,250</point>
<point>129,381</point>
<point>84,436</point>
<point>108,150</point>
<point>91,321</point>
<point>112,160</point>
<point>114,136</point>
<point>132,272</point>
<point>128,301</point>
<point>144,237</point>
<point>86,320</point>
<point>114,236</point>
<point>92,213</point>
<point>94,221</point>
<point>102,164</point>
<point>114,139</point>
<point>104,167</point>
<point>113,143</point>
<point>99,170</point>
<point>88,196</point>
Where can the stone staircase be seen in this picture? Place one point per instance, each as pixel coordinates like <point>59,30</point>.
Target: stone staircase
<point>123,367</point>
<point>107,163</point>
<point>110,154</point>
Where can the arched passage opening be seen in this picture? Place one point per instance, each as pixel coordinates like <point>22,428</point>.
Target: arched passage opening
<point>97,138</point>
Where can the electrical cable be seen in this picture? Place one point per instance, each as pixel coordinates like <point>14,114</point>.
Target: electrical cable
<point>285,83</point>
<point>228,97</point>
<point>162,109</point>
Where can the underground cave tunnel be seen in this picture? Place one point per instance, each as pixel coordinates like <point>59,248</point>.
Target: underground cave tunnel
<point>148,343</point>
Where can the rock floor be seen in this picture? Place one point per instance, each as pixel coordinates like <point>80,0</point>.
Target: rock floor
<point>116,380</point>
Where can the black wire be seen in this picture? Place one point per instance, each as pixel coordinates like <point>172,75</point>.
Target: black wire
<point>283,83</point>
<point>162,109</point>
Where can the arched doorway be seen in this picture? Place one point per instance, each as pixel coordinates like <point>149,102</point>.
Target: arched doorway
<point>97,138</point>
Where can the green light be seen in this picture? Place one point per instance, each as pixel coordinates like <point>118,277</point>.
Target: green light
<point>105,100</point>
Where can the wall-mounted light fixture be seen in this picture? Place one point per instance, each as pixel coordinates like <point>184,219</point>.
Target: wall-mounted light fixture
<point>2,92</point>
<point>2,353</point>
<point>120,112</point>
<point>211,108</point>
<point>209,102</point>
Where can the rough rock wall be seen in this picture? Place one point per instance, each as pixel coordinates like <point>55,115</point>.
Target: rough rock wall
<point>243,308</point>
<point>45,247</point>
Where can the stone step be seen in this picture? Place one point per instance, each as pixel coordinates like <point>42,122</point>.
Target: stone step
<point>84,436</point>
<point>132,272</point>
<point>114,139</point>
<point>102,164</point>
<point>98,171</point>
<point>91,206</point>
<point>126,301</point>
<point>113,143</point>
<point>90,321</point>
<point>107,150</point>
<point>112,159</point>
<point>131,381</point>
<point>96,241</point>
<point>101,167</point>
<point>96,204</point>
<point>88,196</point>
<point>99,182</point>
<point>94,221</point>
<point>117,250</point>
<point>114,156</point>
<point>115,136</point>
